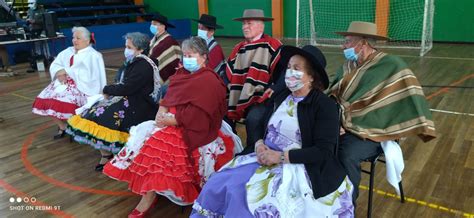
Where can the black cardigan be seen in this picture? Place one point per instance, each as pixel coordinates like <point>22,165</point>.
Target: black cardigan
<point>137,85</point>
<point>318,122</point>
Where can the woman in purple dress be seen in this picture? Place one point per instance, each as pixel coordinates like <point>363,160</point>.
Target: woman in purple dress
<point>293,171</point>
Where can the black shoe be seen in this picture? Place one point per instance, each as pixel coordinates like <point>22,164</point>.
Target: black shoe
<point>99,167</point>
<point>61,133</point>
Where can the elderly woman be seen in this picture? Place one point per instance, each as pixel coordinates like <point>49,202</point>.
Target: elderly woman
<point>77,73</point>
<point>189,140</point>
<point>132,100</point>
<point>293,171</point>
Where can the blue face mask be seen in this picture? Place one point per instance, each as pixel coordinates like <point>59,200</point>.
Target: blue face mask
<point>129,54</point>
<point>191,64</point>
<point>203,34</point>
<point>153,29</point>
<point>350,54</point>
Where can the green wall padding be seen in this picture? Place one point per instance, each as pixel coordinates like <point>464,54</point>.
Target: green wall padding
<point>175,9</point>
<point>453,20</point>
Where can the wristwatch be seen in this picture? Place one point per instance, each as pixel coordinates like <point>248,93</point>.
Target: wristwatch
<point>282,157</point>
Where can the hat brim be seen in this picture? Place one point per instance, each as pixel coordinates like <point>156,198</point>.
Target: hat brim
<point>166,24</point>
<point>151,18</point>
<point>216,26</point>
<point>253,18</point>
<point>288,51</point>
<point>377,37</point>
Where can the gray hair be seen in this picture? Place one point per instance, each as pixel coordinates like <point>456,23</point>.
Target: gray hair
<point>85,32</point>
<point>195,44</point>
<point>139,40</point>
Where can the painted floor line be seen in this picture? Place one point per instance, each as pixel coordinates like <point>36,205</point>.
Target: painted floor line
<point>422,203</point>
<point>452,112</point>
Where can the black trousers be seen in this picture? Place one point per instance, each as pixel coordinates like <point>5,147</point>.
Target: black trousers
<point>352,151</point>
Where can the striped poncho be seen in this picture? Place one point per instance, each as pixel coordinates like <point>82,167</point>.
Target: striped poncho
<point>216,57</point>
<point>382,100</point>
<point>168,53</point>
<point>248,70</point>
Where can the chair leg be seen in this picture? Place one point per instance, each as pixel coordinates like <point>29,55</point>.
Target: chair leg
<point>371,188</point>
<point>402,196</point>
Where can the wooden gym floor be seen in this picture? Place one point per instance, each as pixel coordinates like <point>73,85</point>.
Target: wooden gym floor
<point>59,177</point>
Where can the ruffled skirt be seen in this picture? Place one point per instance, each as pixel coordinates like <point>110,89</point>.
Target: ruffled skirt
<point>164,165</point>
<point>60,104</point>
<point>104,126</point>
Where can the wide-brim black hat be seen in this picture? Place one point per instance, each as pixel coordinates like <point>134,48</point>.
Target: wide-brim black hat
<point>208,21</point>
<point>162,19</point>
<point>310,53</point>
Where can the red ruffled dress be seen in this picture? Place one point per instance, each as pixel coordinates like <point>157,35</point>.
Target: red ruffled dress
<point>176,160</point>
<point>164,165</point>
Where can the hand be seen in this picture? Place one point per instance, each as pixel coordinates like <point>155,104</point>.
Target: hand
<point>260,147</point>
<point>342,131</point>
<point>269,157</point>
<point>163,120</point>
<point>61,76</point>
<point>268,92</point>
<point>162,109</point>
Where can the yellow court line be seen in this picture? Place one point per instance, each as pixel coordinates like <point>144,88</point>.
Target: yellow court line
<point>22,96</point>
<point>422,203</point>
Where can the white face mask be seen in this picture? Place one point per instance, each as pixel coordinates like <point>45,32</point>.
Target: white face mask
<point>293,80</point>
<point>203,34</point>
<point>129,54</point>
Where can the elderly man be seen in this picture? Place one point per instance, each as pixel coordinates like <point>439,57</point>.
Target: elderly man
<point>163,47</point>
<point>207,26</point>
<point>381,101</point>
<point>249,70</point>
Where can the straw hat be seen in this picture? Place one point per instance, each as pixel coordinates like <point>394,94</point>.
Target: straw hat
<point>363,29</point>
<point>253,14</point>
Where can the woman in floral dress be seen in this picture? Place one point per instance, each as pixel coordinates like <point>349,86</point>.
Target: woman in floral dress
<point>293,171</point>
<point>106,124</point>
<point>77,73</point>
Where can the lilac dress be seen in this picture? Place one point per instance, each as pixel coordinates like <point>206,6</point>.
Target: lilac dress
<point>244,188</point>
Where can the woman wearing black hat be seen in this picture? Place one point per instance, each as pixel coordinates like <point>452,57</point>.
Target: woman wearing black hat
<point>163,47</point>
<point>293,171</point>
<point>206,28</point>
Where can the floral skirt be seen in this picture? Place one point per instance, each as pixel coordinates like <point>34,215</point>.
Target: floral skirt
<point>103,126</point>
<point>60,104</point>
<point>164,165</point>
<point>244,188</point>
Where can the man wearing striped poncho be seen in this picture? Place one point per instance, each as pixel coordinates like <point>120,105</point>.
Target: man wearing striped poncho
<point>207,25</point>
<point>248,71</point>
<point>164,48</point>
<point>380,97</point>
